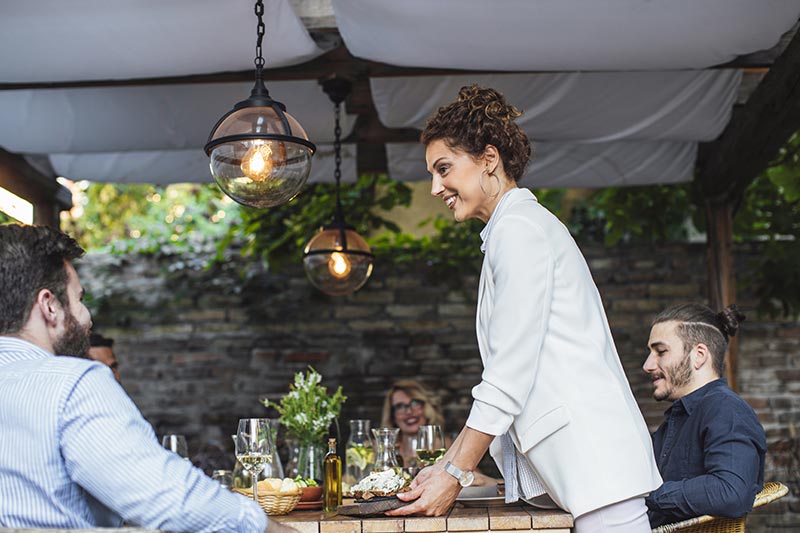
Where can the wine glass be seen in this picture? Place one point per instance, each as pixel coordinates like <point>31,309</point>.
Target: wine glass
<point>176,444</point>
<point>254,447</point>
<point>430,444</point>
<point>410,459</point>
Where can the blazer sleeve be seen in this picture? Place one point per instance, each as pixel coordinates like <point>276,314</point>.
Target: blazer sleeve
<point>522,264</point>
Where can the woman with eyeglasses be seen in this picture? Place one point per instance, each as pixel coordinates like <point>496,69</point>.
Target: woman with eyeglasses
<point>409,405</point>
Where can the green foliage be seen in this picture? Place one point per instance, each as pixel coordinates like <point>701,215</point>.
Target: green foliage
<point>278,235</point>
<point>657,213</point>
<point>185,219</point>
<point>307,411</point>
<point>149,219</point>
<point>452,252</point>
<point>770,213</point>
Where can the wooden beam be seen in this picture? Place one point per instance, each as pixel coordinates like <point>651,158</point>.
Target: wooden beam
<point>756,131</point>
<point>48,197</point>
<point>721,278</point>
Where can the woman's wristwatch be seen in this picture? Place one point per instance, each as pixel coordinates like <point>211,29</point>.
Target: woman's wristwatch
<point>465,477</point>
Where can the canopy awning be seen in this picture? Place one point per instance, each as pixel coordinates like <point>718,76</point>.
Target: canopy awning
<point>629,97</point>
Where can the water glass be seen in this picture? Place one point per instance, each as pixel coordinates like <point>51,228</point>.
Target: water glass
<point>176,444</point>
<point>223,477</point>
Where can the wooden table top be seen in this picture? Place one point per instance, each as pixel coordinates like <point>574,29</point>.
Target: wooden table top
<point>460,518</point>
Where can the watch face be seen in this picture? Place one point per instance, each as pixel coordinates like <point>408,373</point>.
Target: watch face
<point>466,478</point>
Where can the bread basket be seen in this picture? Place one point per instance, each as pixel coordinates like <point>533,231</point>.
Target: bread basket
<point>274,503</point>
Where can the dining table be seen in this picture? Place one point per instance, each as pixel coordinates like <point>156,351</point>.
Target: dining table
<point>460,518</point>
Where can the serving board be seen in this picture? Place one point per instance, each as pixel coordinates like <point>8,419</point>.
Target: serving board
<point>371,507</point>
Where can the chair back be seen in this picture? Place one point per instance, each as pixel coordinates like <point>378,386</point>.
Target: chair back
<point>713,524</point>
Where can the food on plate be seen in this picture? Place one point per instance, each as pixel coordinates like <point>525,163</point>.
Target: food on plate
<point>305,482</point>
<point>380,484</point>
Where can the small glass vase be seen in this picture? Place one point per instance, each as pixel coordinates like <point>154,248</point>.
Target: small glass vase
<point>309,460</point>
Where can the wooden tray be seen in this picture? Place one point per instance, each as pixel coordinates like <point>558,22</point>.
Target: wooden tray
<point>371,507</point>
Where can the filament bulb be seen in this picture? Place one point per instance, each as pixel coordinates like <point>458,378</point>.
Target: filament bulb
<point>339,265</point>
<point>257,162</point>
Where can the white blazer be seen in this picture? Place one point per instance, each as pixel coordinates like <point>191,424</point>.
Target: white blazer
<point>552,376</point>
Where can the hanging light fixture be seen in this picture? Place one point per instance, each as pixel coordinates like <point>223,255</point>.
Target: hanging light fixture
<point>337,260</point>
<point>260,155</point>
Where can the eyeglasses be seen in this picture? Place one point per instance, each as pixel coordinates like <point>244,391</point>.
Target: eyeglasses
<point>405,407</point>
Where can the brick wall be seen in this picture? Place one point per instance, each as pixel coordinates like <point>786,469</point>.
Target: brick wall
<point>197,351</point>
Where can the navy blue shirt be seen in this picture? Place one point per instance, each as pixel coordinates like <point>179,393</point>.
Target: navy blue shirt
<point>710,452</point>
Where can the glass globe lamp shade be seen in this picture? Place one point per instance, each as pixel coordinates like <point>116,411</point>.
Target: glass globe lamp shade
<point>337,261</point>
<point>255,160</point>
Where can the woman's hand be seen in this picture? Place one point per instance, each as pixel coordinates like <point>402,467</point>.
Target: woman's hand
<point>433,492</point>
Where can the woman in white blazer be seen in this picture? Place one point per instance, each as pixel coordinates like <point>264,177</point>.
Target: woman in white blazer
<point>553,401</point>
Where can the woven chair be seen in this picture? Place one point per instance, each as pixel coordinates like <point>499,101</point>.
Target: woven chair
<point>712,524</point>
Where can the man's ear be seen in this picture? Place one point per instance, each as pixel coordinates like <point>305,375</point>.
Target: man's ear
<point>49,306</point>
<point>702,356</point>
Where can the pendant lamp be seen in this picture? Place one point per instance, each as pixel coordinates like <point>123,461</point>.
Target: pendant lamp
<point>337,260</point>
<point>260,155</point>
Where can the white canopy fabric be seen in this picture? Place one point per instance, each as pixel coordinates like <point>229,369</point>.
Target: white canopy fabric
<point>143,118</point>
<point>163,167</point>
<point>563,110</point>
<point>561,35</point>
<point>637,121</point>
<point>567,165</point>
<point>79,40</point>
<point>580,106</point>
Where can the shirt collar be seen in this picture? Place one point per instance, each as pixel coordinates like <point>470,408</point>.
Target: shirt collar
<point>14,349</point>
<point>693,399</point>
<point>510,198</point>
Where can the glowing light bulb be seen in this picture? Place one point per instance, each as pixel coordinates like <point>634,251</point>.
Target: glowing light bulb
<point>257,162</point>
<point>339,265</point>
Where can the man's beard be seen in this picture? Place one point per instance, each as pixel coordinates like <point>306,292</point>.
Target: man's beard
<point>677,376</point>
<point>74,341</point>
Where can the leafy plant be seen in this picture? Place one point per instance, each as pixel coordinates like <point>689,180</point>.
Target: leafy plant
<point>308,410</point>
<point>279,235</point>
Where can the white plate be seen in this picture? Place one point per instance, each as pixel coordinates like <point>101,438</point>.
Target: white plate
<point>494,501</point>
<point>480,496</point>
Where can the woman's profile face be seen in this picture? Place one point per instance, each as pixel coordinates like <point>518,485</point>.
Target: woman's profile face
<point>455,178</point>
<point>408,414</point>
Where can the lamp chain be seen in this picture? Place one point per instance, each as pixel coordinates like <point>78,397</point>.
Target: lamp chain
<point>259,61</point>
<point>337,152</point>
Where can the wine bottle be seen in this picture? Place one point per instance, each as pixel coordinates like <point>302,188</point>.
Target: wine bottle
<point>332,469</point>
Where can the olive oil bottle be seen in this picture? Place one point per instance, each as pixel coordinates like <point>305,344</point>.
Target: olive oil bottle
<point>332,468</point>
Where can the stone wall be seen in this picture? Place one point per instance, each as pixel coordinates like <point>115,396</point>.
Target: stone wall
<point>198,349</point>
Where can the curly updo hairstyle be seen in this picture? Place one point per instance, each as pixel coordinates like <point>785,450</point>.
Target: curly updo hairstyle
<point>479,117</point>
<point>699,324</point>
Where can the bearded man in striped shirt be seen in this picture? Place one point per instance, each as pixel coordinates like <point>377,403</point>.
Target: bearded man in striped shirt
<point>75,452</point>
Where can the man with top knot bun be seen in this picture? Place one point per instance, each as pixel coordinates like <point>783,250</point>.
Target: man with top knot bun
<point>710,448</point>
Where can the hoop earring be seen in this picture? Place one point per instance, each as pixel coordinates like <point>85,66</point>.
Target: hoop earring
<point>480,182</point>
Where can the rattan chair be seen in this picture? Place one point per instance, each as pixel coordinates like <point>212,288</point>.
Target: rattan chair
<point>712,524</point>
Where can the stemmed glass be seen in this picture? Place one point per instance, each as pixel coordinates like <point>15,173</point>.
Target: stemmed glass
<point>176,444</point>
<point>430,444</point>
<point>254,447</point>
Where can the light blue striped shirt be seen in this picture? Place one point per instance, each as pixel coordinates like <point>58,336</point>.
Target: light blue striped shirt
<point>75,452</point>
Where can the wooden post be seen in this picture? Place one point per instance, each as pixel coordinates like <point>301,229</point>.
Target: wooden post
<point>721,280</point>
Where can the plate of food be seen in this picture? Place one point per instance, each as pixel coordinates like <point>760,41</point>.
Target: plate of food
<point>376,493</point>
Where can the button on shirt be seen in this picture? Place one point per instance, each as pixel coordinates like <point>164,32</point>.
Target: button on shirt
<point>710,452</point>
<point>75,453</point>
